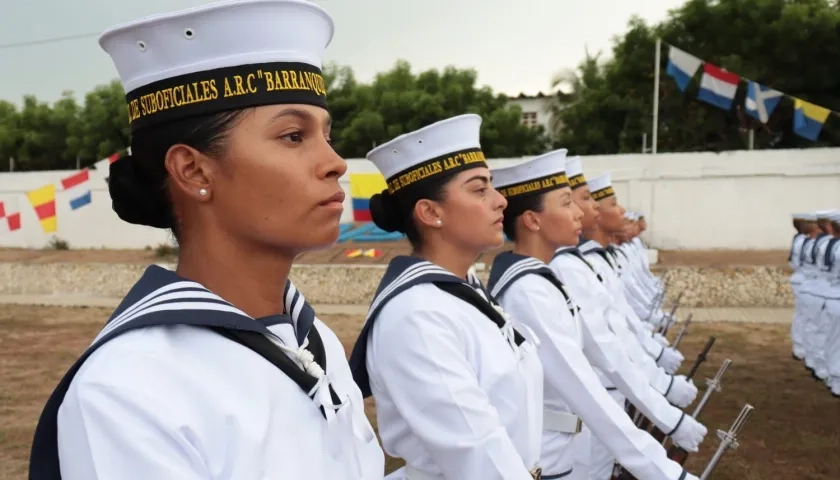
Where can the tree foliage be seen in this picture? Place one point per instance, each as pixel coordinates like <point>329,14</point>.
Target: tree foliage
<point>41,136</point>
<point>789,45</point>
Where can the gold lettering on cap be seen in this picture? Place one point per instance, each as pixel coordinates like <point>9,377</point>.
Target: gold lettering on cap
<point>248,80</point>
<point>548,183</point>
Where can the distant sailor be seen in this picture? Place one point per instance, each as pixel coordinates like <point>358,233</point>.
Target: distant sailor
<point>806,227</point>
<point>832,309</point>
<point>458,390</point>
<point>220,369</point>
<point>822,289</point>
<point>540,220</point>
<point>799,253</point>
<point>624,367</point>
<point>595,245</point>
<point>813,291</point>
<point>639,294</point>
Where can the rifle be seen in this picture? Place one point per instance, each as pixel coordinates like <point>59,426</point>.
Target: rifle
<point>655,304</point>
<point>728,440</point>
<point>670,317</point>
<point>683,331</point>
<point>701,357</point>
<point>619,472</point>
<point>677,453</point>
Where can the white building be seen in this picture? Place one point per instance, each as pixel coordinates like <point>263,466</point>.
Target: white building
<point>535,109</point>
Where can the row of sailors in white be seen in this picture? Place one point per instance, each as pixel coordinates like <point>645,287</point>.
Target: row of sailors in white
<point>815,260</point>
<point>201,374</point>
<point>463,393</point>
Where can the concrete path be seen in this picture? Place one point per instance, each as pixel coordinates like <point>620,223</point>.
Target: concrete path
<point>731,314</point>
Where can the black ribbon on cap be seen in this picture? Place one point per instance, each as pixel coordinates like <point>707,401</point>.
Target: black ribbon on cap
<point>223,89</point>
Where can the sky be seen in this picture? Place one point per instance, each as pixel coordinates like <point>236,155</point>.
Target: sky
<point>515,46</point>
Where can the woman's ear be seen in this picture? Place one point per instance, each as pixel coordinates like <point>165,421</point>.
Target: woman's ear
<point>428,213</point>
<point>531,220</point>
<point>190,172</point>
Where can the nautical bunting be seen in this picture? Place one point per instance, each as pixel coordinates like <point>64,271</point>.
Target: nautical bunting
<point>761,101</point>
<point>362,252</point>
<point>808,119</point>
<point>682,66</point>
<point>13,221</point>
<point>43,201</point>
<point>718,87</point>
<point>77,186</point>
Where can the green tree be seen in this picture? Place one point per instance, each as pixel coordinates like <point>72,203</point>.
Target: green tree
<point>42,136</point>
<point>787,45</point>
<point>102,123</point>
<point>398,101</point>
<point>9,132</point>
<point>43,132</point>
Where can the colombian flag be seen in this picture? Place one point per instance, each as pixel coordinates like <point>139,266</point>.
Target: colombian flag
<point>362,187</point>
<point>43,201</point>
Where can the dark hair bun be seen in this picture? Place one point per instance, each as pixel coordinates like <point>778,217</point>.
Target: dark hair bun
<point>385,214</point>
<point>136,198</point>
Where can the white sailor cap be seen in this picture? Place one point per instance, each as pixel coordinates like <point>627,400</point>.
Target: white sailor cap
<point>221,56</point>
<point>601,186</point>
<point>835,216</point>
<point>810,217</point>
<point>540,174</point>
<point>574,170</point>
<point>824,214</point>
<point>432,153</point>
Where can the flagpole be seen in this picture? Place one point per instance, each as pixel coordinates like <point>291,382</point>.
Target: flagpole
<point>656,67</point>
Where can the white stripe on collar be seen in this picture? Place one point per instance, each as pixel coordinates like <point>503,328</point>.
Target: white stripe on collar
<point>515,269</point>
<point>410,273</point>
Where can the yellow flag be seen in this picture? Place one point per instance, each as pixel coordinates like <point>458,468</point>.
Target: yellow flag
<point>365,185</point>
<point>43,201</point>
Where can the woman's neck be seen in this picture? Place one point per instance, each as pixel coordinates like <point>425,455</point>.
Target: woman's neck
<point>252,279</point>
<point>599,235</point>
<point>455,261</point>
<point>534,246</point>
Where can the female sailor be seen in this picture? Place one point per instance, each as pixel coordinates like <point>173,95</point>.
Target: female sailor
<point>459,391</point>
<point>806,227</point>
<point>219,369</point>
<point>832,309</point>
<point>593,245</point>
<point>640,295</point>
<point>623,367</point>
<point>540,218</point>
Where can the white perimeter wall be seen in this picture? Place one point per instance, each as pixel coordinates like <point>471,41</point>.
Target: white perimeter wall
<point>732,200</point>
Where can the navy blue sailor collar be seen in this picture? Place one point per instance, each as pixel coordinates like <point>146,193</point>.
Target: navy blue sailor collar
<point>403,272</point>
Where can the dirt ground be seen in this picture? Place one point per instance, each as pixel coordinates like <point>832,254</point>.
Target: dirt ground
<point>793,433</point>
<point>336,254</point>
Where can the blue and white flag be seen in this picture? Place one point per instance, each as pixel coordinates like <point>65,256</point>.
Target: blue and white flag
<point>681,66</point>
<point>761,101</point>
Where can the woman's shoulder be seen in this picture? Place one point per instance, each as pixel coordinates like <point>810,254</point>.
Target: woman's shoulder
<point>136,357</point>
<point>422,299</point>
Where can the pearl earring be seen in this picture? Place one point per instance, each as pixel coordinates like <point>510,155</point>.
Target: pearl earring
<point>439,223</point>
<point>202,192</point>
